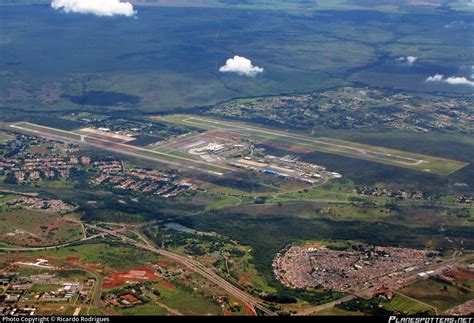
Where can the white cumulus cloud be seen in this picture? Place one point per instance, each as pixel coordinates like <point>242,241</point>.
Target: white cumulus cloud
<point>95,7</point>
<point>435,78</point>
<point>454,80</point>
<point>241,66</point>
<point>409,59</point>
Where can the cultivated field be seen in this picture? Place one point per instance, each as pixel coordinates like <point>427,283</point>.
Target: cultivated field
<point>299,142</point>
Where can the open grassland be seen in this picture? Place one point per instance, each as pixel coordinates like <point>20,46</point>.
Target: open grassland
<point>408,306</point>
<point>43,288</point>
<point>4,137</point>
<point>438,294</point>
<point>150,308</point>
<point>36,228</point>
<point>224,201</point>
<point>293,141</point>
<point>244,271</point>
<point>117,257</point>
<point>183,299</point>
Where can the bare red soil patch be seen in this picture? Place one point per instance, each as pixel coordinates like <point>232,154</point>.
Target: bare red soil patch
<point>459,273</point>
<point>139,274</point>
<point>72,259</point>
<point>248,310</point>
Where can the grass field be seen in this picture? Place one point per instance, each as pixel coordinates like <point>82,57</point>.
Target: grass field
<point>4,137</point>
<point>186,301</point>
<point>145,309</point>
<point>42,288</point>
<point>113,256</point>
<point>293,141</point>
<point>407,306</point>
<point>440,295</point>
<point>35,228</point>
<point>224,201</point>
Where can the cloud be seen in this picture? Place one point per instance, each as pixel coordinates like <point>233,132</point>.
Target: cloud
<point>241,66</point>
<point>454,80</point>
<point>409,59</point>
<point>95,7</point>
<point>435,78</point>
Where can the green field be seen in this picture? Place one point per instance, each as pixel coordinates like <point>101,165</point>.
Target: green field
<point>4,137</point>
<point>440,295</point>
<point>114,256</point>
<point>186,301</point>
<point>35,228</point>
<point>288,140</point>
<point>42,288</point>
<point>144,309</point>
<point>407,306</point>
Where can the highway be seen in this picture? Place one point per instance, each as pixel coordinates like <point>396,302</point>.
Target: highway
<point>195,266</point>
